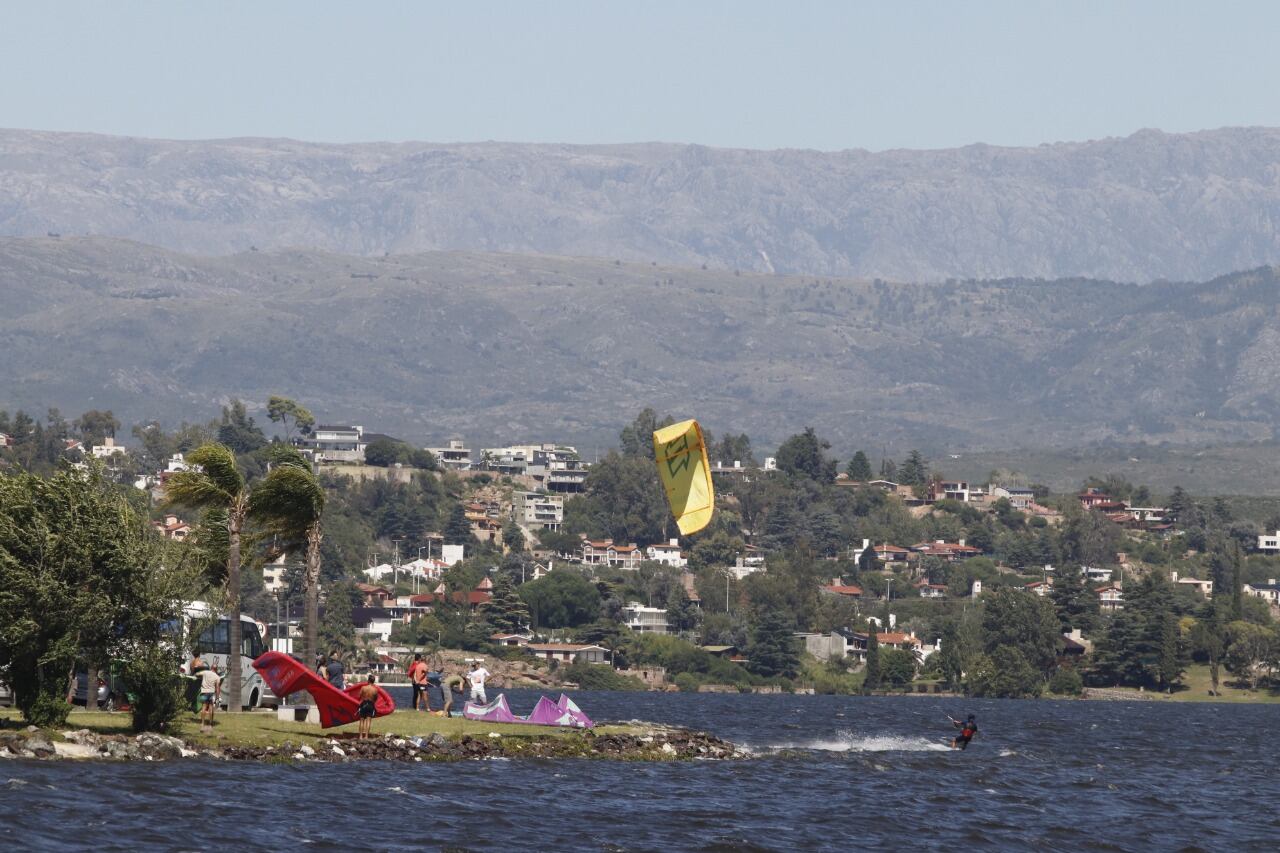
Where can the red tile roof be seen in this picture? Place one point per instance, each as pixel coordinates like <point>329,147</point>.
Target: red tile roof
<point>842,589</point>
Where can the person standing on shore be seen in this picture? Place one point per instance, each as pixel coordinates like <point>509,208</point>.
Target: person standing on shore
<point>210,693</point>
<point>335,672</point>
<point>418,681</point>
<point>368,707</point>
<point>477,676</point>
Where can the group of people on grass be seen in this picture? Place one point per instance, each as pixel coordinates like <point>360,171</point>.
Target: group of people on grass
<point>428,684</point>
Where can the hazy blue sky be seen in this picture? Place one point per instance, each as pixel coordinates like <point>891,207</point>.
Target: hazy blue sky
<point>760,75</point>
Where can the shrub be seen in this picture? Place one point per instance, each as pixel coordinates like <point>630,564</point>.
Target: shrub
<point>156,692</point>
<point>1066,682</point>
<point>593,676</point>
<point>687,682</point>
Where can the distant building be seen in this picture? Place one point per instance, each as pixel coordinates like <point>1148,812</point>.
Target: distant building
<point>668,554</point>
<point>1268,592</point>
<point>645,620</point>
<point>1110,598</point>
<point>606,553</point>
<point>1269,542</point>
<point>538,511</point>
<point>172,528</point>
<point>455,456</point>
<point>568,652</point>
<point>336,443</point>
<point>1205,588</point>
<point>107,449</point>
<point>1018,497</point>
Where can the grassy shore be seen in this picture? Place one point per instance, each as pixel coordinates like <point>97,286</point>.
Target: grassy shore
<point>1196,687</point>
<point>260,728</point>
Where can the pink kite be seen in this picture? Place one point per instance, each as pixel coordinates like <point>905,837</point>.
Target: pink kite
<point>495,712</point>
<point>337,707</point>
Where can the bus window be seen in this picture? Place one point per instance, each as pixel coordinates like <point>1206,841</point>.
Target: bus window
<point>250,640</point>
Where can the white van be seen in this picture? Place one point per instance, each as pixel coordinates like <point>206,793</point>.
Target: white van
<point>214,643</point>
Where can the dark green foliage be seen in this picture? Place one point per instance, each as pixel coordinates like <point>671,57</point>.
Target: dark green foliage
<point>874,672</point>
<point>238,430</point>
<point>803,455</point>
<point>383,452</point>
<point>337,631</point>
<point>773,646</point>
<point>682,614</point>
<point>636,439</point>
<point>1005,674</point>
<point>1066,682</point>
<point>1021,620</point>
<point>1075,604</point>
<point>457,531</point>
<point>562,599</point>
<point>897,667</point>
<point>150,673</point>
<point>506,611</point>
<point>859,467</point>
<point>624,501</point>
<point>914,470</point>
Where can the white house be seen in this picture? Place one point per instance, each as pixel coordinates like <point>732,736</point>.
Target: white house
<point>1017,496</point>
<point>1110,598</point>
<point>337,443</point>
<point>455,456</point>
<point>1268,592</point>
<point>273,575</point>
<point>1205,588</point>
<point>107,449</point>
<point>645,620</point>
<point>1269,542</point>
<point>568,652</point>
<point>669,554</point>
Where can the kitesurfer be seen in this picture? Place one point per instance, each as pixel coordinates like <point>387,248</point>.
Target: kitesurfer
<point>968,729</point>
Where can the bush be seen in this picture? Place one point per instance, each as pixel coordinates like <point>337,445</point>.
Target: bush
<point>687,682</point>
<point>1006,674</point>
<point>593,676</point>
<point>897,667</point>
<point>1066,682</point>
<point>157,693</point>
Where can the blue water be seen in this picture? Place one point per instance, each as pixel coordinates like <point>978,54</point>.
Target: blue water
<point>835,773</point>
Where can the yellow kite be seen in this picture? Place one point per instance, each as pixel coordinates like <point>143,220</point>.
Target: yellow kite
<point>686,474</point>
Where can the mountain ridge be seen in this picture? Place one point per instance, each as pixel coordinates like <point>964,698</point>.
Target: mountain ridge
<point>1139,208</point>
<point>505,347</point>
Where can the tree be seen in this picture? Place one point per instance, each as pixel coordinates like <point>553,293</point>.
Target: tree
<point>383,452</point>
<point>216,485</point>
<point>76,571</point>
<point>291,505</point>
<point>859,468</point>
<point>457,531</point>
<point>1179,505</point>
<point>872,679</point>
<point>773,646</point>
<point>506,611</point>
<point>238,430</point>
<point>733,448</point>
<point>512,536</point>
<point>1075,604</point>
<point>897,667</point>
<point>1066,682</point>
<point>1089,538</point>
<point>1172,662</point>
<point>682,613</point>
<point>561,599</point>
<point>282,410</point>
<point>636,439</point>
<point>337,629</point>
<point>914,470</point>
<point>802,455</point>
<point>1207,639</point>
<point>1023,621</point>
<point>1005,674</point>
<point>95,425</point>
<point>1249,646</point>
<point>624,501</point>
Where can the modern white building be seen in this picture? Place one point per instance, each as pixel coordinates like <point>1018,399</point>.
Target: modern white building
<point>1269,542</point>
<point>273,575</point>
<point>337,443</point>
<point>645,620</point>
<point>455,456</point>
<point>537,511</point>
<point>668,554</point>
<point>107,449</point>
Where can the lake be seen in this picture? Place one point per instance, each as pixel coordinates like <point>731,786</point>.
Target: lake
<point>835,773</point>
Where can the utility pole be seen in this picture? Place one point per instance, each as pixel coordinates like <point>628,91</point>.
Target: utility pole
<point>396,565</point>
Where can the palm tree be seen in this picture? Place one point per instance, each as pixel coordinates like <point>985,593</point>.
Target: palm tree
<point>215,484</point>
<point>290,504</point>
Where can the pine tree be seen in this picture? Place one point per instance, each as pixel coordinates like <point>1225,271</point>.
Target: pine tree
<point>914,471</point>
<point>457,531</point>
<point>1074,603</point>
<point>506,611</point>
<point>859,467</point>
<point>872,679</point>
<point>1172,660</point>
<point>773,646</point>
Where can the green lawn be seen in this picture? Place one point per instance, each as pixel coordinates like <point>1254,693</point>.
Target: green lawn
<point>263,729</point>
<point>1197,685</point>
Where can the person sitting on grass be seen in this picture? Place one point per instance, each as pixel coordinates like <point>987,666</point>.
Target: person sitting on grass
<point>368,698</point>
<point>210,693</point>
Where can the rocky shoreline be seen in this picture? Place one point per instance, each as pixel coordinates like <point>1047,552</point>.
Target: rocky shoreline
<point>656,744</point>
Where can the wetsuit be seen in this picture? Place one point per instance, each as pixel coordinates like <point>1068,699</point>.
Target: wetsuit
<point>967,731</point>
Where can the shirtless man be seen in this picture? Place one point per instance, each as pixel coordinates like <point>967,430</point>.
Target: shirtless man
<point>368,697</point>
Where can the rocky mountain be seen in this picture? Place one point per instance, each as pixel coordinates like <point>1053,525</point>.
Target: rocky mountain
<point>522,347</point>
<point>1150,206</point>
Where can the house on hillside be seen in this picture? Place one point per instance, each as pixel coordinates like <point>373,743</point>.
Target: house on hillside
<point>454,456</point>
<point>668,554</point>
<point>891,554</point>
<point>952,552</point>
<point>930,590</point>
<point>950,490</point>
<point>1097,499</point>
<point>1204,587</point>
<point>1269,542</point>
<point>1268,592</point>
<point>606,552</point>
<point>837,587</point>
<point>172,527</point>
<point>537,511</point>
<point>888,639</point>
<point>107,449</point>
<point>569,652</point>
<point>336,443</point>
<point>1019,497</point>
<point>1110,598</point>
<point>645,620</point>
<point>1040,588</point>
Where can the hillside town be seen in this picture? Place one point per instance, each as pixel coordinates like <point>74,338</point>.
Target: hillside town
<point>533,553</point>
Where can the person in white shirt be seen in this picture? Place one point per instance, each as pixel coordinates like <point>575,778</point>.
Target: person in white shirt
<point>477,677</point>
<point>210,692</point>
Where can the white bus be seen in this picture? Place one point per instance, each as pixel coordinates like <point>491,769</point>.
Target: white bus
<point>209,631</point>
